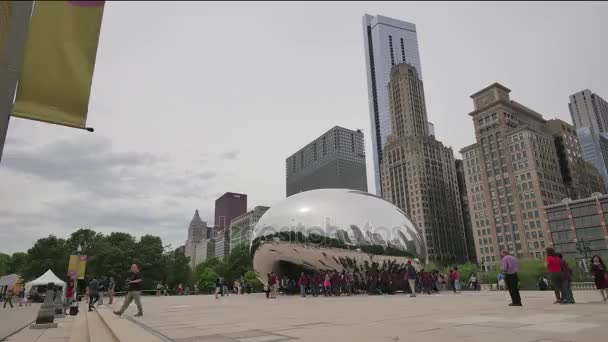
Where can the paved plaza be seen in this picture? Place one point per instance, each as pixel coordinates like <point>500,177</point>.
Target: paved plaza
<point>467,317</point>
<point>13,319</point>
<point>479,316</point>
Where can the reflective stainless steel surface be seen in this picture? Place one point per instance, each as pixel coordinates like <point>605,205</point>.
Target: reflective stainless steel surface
<point>331,229</point>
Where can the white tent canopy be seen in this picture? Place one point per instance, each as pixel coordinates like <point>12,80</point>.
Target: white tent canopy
<point>43,280</point>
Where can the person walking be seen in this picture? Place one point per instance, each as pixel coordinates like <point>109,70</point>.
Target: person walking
<point>21,296</point>
<point>553,264</point>
<point>268,285</point>
<point>159,288</point>
<point>69,295</point>
<point>501,282</point>
<point>510,267</point>
<point>599,274</point>
<point>134,287</point>
<point>302,283</point>
<point>410,275</point>
<point>102,290</point>
<point>218,287</point>
<point>275,285</point>
<point>567,296</point>
<point>111,286</point>
<point>8,297</point>
<point>456,277</point>
<point>93,292</point>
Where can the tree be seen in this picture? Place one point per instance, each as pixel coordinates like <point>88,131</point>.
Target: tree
<point>252,279</point>
<point>5,261</point>
<point>17,263</point>
<point>47,253</point>
<point>530,270</point>
<point>178,268</point>
<point>83,240</point>
<point>206,279</point>
<point>148,255</point>
<point>112,257</point>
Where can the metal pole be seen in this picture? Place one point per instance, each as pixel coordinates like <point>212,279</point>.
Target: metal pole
<point>15,17</point>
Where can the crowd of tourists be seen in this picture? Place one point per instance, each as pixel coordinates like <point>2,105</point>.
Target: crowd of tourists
<point>388,279</point>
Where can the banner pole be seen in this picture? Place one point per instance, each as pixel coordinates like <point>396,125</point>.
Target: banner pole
<point>13,36</point>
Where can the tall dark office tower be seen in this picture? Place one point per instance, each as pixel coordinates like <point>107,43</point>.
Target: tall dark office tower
<point>387,42</point>
<point>334,160</point>
<point>228,207</point>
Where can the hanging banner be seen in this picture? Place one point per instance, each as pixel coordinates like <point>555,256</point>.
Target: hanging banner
<point>73,267</point>
<point>82,264</point>
<point>57,71</point>
<point>5,24</point>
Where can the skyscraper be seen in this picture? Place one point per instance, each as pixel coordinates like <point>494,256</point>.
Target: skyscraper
<point>241,227</point>
<point>511,172</point>
<point>590,117</point>
<point>198,243</point>
<point>334,160</point>
<point>227,207</point>
<point>387,42</point>
<point>589,110</point>
<point>419,172</point>
<point>581,178</point>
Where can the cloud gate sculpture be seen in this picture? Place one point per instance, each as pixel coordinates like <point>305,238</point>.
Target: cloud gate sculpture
<point>333,229</point>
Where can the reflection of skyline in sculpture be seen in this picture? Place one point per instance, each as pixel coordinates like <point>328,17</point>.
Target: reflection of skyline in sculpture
<point>390,242</point>
<point>343,236</point>
<point>360,239</point>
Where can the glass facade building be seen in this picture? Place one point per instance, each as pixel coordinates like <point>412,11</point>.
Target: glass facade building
<point>387,42</point>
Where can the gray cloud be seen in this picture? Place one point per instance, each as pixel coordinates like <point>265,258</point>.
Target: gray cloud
<point>88,164</point>
<point>206,175</point>
<point>230,155</point>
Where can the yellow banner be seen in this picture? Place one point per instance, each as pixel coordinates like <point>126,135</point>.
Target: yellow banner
<point>5,17</point>
<point>57,71</point>
<point>73,267</point>
<point>82,264</point>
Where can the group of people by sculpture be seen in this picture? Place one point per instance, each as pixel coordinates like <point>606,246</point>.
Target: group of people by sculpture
<point>388,278</point>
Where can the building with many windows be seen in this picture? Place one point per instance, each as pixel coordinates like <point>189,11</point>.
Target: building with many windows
<point>198,244</point>
<point>590,117</point>
<point>387,42</point>
<point>578,228</point>
<point>511,172</point>
<point>580,177</point>
<point>588,109</point>
<point>419,172</point>
<point>336,159</point>
<point>595,151</point>
<point>227,207</point>
<point>242,226</point>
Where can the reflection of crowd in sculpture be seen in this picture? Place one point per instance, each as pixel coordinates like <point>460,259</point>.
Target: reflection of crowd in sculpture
<point>388,278</point>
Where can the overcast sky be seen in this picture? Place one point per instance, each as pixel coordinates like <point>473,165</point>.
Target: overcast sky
<point>191,100</point>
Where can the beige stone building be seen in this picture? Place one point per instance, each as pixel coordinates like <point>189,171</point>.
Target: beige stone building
<point>511,173</point>
<point>419,173</point>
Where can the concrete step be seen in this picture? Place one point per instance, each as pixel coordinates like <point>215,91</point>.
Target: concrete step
<point>80,329</point>
<point>98,330</point>
<point>123,329</point>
